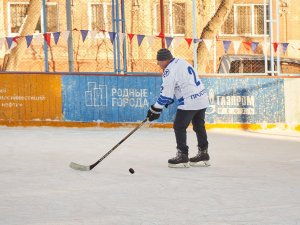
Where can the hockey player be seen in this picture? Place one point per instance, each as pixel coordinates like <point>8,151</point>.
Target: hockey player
<point>180,80</point>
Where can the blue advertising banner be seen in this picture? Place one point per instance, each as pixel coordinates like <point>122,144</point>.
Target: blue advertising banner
<point>111,98</point>
<point>245,100</point>
<point>127,99</point>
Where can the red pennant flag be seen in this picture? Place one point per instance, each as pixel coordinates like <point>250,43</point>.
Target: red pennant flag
<point>247,45</point>
<point>161,35</point>
<point>275,46</point>
<point>15,39</point>
<point>130,37</point>
<point>47,37</point>
<point>189,41</point>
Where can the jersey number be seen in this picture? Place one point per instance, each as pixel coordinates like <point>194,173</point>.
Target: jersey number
<point>192,72</point>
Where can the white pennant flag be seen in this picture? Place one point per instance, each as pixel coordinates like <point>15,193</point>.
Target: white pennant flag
<point>150,40</point>
<point>122,36</point>
<point>1,43</point>
<point>236,46</point>
<point>13,44</point>
<point>178,41</point>
<point>93,34</point>
<point>208,43</point>
<point>101,35</point>
<point>265,48</point>
<point>40,38</point>
<point>66,34</point>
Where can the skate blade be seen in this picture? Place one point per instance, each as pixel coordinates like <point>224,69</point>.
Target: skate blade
<point>200,164</point>
<point>179,165</point>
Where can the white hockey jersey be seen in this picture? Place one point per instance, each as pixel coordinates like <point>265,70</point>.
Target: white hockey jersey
<point>181,81</point>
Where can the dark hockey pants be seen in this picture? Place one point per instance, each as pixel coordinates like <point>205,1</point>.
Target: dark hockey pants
<point>182,121</point>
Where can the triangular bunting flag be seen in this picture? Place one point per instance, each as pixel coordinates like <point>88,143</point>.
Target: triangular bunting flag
<point>275,46</point>
<point>130,37</point>
<point>178,41</point>
<point>93,34</point>
<point>122,36</point>
<point>236,46</point>
<point>189,41</point>
<point>47,37</point>
<point>28,40</point>
<point>9,41</point>
<point>254,46</point>
<point>226,45</point>
<point>161,35</point>
<point>283,46</point>
<point>56,37</point>
<point>40,38</point>
<point>150,40</point>
<point>140,39</point>
<point>197,40</point>
<point>14,42</point>
<point>106,34</point>
<point>169,41</point>
<point>265,47</point>
<point>112,36</point>
<point>66,35</point>
<point>15,39</point>
<point>247,45</point>
<point>208,43</point>
<point>101,35</point>
<point>84,34</point>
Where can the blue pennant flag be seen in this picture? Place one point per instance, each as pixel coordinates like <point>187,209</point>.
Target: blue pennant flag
<point>197,40</point>
<point>28,40</point>
<point>9,41</point>
<point>56,36</point>
<point>254,46</point>
<point>284,47</point>
<point>84,33</point>
<point>169,41</point>
<point>140,38</point>
<point>112,36</point>
<point>226,45</point>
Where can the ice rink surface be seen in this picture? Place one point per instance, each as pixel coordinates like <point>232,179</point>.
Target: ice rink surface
<point>254,178</point>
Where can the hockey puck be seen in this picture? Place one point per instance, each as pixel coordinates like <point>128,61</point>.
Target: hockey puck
<point>131,171</point>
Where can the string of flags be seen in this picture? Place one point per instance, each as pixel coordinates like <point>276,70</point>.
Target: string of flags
<point>46,37</point>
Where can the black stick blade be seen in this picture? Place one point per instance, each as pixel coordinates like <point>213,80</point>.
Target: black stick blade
<point>76,166</point>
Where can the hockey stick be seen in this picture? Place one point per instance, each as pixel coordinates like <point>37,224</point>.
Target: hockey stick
<point>76,166</point>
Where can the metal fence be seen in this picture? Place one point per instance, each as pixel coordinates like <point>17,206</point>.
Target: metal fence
<point>115,36</point>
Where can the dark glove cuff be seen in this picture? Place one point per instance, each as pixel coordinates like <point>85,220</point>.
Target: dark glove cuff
<point>155,110</point>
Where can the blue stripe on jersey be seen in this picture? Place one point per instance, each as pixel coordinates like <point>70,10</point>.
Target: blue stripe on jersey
<point>163,100</point>
<point>181,101</point>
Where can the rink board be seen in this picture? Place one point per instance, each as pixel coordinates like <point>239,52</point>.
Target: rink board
<point>27,97</point>
<point>127,99</point>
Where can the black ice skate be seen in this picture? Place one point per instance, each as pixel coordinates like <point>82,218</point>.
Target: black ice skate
<point>201,159</point>
<point>180,161</point>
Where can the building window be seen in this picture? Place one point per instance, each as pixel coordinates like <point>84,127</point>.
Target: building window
<point>174,19</point>
<point>100,16</point>
<point>52,17</point>
<point>18,11</point>
<point>245,20</point>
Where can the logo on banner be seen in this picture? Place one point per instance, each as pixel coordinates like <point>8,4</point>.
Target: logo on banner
<point>230,104</point>
<point>96,95</point>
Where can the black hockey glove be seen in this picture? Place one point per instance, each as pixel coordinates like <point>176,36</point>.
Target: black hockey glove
<point>153,113</point>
